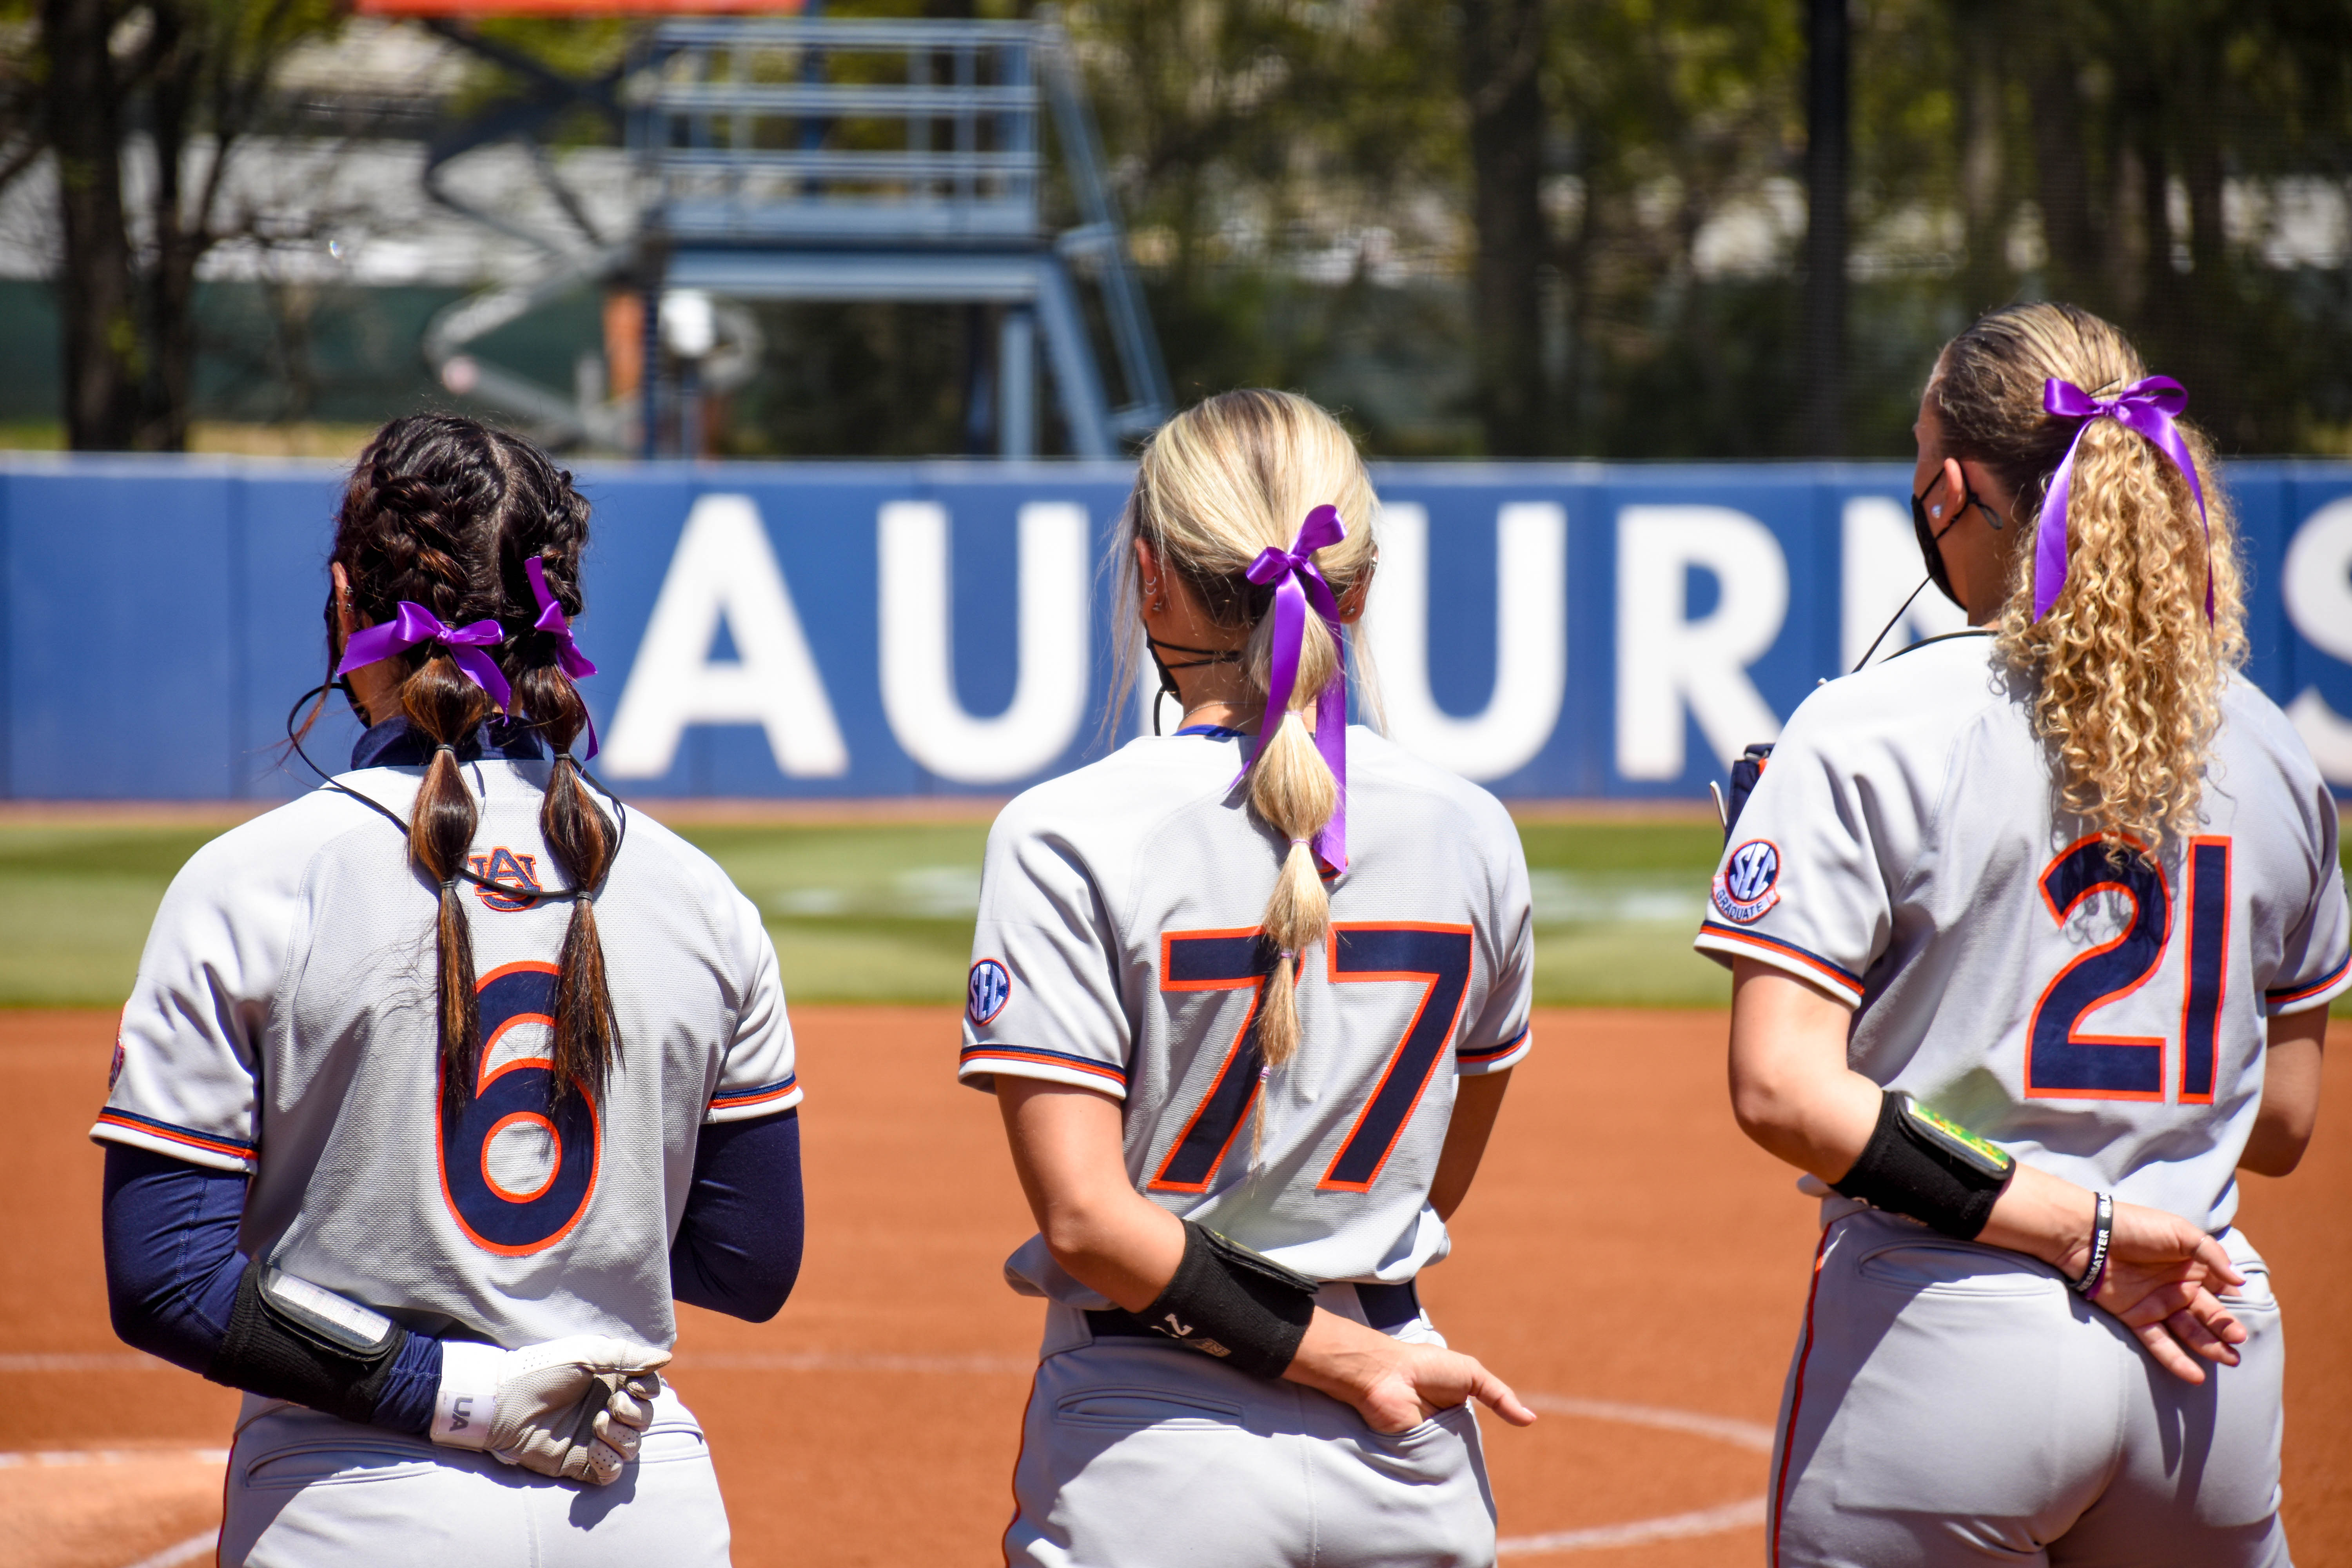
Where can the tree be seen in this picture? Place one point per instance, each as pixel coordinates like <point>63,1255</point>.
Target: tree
<point>1502,54</point>
<point>171,89</point>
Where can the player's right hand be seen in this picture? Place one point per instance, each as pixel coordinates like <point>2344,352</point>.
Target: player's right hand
<point>2163,1277</point>
<point>1425,1380</point>
<point>576,1408</point>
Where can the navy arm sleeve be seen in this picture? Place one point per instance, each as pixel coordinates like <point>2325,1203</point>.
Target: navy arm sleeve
<point>173,1267</point>
<point>739,1242</point>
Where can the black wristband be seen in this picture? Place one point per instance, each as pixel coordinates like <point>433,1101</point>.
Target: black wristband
<point>2103,1234</point>
<point>1919,1165</point>
<point>1237,1305</point>
<point>289,1339</point>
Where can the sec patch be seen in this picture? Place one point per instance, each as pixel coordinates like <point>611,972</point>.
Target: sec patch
<point>1749,883</point>
<point>987,991</point>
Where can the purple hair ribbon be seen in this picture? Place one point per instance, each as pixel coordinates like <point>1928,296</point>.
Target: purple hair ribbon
<point>413,623</point>
<point>1296,585</point>
<point>555,624</point>
<point>2146,407</point>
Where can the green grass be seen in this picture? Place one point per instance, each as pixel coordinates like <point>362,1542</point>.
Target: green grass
<point>75,906</point>
<point>883,913</point>
<point>1616,906</point>
<point>861,914</point>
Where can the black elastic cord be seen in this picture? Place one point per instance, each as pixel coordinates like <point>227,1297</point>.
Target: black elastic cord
<point>1152,645</point>
<point>1209,655</point>
<point>1891,620</point>
<point>504,890</point>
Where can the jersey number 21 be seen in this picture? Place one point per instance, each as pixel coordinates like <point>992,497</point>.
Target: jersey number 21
<point>2061,1062</point>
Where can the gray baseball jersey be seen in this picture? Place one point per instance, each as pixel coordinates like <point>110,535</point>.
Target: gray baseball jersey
<point>2104,1020</point>
<point>1117,949</point>
<point>282,1024</point>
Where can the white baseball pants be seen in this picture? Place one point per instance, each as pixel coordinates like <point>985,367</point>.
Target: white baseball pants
<point>1951,1405</point>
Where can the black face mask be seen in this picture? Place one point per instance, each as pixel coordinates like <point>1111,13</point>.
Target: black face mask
<point>1929,539</point>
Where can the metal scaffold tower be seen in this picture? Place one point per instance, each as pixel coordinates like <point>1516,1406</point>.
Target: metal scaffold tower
<point>845,160</point>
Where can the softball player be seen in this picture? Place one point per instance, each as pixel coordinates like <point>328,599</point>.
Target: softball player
<point>390,1147</point>
<point>1249,996</point>
<point>2033,930</point>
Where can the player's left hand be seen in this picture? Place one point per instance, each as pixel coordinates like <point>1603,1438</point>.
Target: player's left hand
<point>2161,1281</point>
<point>2201,1324</point>
<point>576,1408</point>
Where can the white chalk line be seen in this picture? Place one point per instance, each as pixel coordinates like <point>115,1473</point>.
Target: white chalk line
<point>1750,1434</point>
<point>59,1457</point>
<point>1640,1532</point>
<point>188,1551</point>
<point>106,1360</point>
<point>1728,1429</point>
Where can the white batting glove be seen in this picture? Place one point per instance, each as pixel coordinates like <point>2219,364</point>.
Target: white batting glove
<point>574,1408</point>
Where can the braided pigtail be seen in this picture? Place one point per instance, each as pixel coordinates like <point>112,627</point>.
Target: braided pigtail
<point>405,536</point>
<point>445,707</point>
<point>587,1033</point>
<point>543,533</point>
<point>1291,787</point>
<point>428,534</point>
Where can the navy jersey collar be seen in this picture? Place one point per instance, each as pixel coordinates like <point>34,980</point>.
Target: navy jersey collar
<point>396,744</point>
<point>1215,731</point>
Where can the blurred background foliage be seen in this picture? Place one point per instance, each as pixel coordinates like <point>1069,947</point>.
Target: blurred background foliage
<point>1497,227</point>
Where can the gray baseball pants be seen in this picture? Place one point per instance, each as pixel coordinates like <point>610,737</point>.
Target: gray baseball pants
<point>305,1488</point>
<point>1142,1454</point>
<point>1951,1405</point>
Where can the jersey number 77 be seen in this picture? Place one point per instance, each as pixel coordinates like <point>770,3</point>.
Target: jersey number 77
<point>1435,957</point>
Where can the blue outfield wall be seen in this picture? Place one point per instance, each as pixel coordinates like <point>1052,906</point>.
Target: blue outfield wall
<point>829,630</point>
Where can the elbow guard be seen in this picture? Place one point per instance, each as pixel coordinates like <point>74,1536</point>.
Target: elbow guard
<point>1237,1305</point>
<point>1919,1165</point>
<point>289,1339</point>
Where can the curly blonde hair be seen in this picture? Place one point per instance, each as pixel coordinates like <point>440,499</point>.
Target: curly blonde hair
<point>2126,671</point>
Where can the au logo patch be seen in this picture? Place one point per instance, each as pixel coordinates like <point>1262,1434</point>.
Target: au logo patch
<point>503,865</point>
<point>987,991</point>
<point>1749,883</point>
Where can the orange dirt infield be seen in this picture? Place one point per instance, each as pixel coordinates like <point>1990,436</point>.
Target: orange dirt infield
<point>875,1421</point>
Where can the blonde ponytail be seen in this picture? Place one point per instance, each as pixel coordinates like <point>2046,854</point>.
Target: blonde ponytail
<point>2129,672</point>
<point>1217,485</point>
<point>2126,671</point>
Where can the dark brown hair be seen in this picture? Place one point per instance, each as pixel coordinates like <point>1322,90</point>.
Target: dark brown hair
<point>444,512</point>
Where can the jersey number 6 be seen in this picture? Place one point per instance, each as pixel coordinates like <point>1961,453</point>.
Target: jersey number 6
<point>511,1097</point>
<point>1435,957</point>
<point>2062,1063</point>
